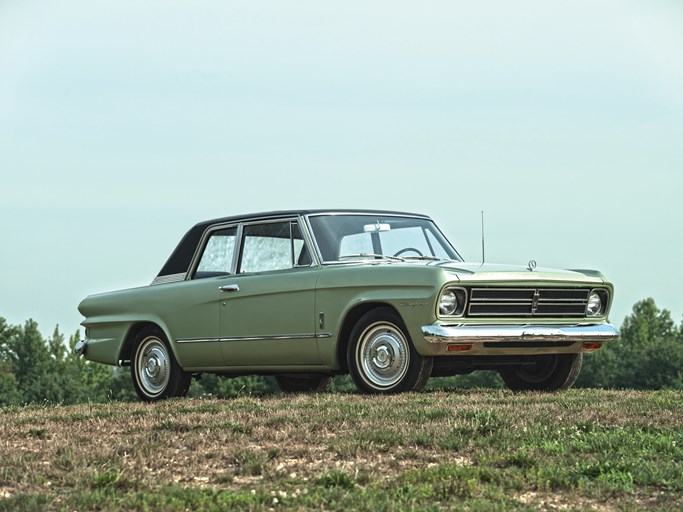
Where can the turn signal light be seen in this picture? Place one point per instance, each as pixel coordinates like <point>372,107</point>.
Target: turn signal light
<point>458,348</point>
<point>590,346</point>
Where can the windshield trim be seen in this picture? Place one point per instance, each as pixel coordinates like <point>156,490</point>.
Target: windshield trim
<point>359,213</point>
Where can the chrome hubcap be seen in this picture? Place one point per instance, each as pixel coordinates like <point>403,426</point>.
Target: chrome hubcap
<point>383,358</point>
<point>153,366</point>
<point>383,355</point>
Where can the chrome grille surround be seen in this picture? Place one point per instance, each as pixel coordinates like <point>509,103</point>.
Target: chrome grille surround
<point>528,302</point>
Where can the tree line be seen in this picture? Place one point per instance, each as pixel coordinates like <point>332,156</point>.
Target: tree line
<point>34,369</point>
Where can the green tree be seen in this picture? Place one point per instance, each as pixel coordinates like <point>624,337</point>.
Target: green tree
<point>33,366</point>
<point>7,335</point>
<point>33,369</point>
<point>9,390</point>
<point>9,387</point>
<point>648,354</point>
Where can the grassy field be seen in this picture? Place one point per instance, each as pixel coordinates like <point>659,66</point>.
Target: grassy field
<point>468,450</point>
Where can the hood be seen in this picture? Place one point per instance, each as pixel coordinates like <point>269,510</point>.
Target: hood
<point>495,272</point>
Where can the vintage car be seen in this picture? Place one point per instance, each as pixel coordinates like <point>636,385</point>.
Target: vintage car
<point>306,295</point>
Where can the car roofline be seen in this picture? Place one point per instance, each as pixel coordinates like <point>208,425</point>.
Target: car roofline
<point>290,213</point>
<point>179,261</point>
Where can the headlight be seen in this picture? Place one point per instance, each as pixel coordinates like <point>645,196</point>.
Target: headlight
<point>452,301</point>
<point>448,303</point>
<point>594,307</point>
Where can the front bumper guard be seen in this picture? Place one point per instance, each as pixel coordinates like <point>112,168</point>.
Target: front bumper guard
<point>475,334</point>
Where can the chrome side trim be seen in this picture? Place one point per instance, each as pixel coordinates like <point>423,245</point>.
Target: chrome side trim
<point>492,333</point>
<point>267,338</point>
<point>307,336</point>
<point>171,278</point>
<point>197,340</point>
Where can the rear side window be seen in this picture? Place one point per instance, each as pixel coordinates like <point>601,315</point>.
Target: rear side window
<point>218,254</point>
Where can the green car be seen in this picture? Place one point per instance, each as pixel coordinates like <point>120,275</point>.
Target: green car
<point>306,295</point>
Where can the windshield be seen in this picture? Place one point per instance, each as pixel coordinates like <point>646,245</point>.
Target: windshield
<point>349,237</point>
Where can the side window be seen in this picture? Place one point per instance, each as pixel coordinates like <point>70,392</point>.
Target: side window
<point>218,254</point>
<point>273,246</point>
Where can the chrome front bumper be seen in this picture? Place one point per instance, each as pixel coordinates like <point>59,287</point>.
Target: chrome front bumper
<point>80,347</point>
<point>510,333</point>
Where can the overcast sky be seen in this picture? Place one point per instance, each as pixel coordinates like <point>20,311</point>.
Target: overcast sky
<point>124,123</point>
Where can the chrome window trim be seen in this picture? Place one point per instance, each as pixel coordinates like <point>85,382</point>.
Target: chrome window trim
<point>201,246</point>
<point>238,249</point>
<point>338,213</point>
<point>332,213</point>
<point>312,246</point>
<point>316,248</point>
<point>436,226</point>
<point>289,219</point>
<point>239,234</point>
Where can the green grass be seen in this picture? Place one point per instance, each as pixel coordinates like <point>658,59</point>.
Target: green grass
<point>466,450</point>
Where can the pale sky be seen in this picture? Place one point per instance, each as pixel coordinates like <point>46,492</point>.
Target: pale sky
<point>124,123</point>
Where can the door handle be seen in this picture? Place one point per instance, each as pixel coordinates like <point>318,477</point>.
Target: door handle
<point>229,288</point>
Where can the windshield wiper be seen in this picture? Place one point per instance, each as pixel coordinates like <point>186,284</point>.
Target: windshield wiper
<point>424,257</point>
<point>371,255</point>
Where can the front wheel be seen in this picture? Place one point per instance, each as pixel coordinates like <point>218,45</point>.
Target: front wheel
<point>381,356</point>
<point>155,372</point>
<point>553,372</point>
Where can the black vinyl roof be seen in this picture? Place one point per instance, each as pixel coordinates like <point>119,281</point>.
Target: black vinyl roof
<point>180,259</point>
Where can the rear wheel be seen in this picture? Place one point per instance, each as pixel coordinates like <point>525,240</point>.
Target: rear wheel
<point>296,384</point>
<point>552,372</point>
<point>155,372</point>
<point>381,357</point>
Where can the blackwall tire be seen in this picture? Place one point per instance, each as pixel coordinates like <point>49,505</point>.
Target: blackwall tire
<point>553,372</point>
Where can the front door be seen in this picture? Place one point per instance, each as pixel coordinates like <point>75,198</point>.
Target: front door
<point>196,323</point>
<point>267,310</point>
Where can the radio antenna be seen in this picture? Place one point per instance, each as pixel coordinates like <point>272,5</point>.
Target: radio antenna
<point>483,253</point>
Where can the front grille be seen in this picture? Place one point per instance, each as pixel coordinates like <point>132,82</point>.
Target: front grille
<point>528,302</point>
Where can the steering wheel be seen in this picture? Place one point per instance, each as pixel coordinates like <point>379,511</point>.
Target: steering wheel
<point>408,249</point>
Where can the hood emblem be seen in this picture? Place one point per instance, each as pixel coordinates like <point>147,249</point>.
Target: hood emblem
<point>532,265</point>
